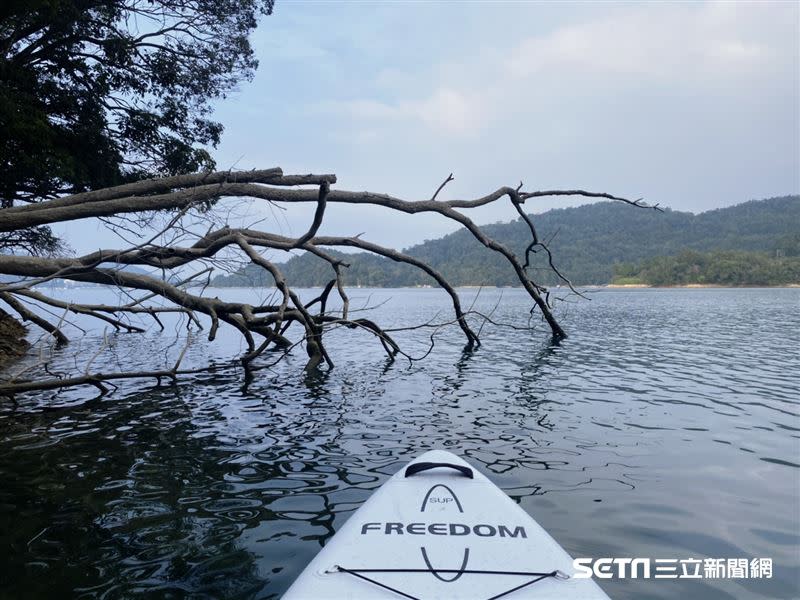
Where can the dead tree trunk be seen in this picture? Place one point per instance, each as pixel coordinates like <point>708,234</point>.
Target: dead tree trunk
<point>264,326</point>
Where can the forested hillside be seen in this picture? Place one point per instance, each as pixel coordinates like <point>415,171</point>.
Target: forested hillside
<point>721,267</point>
<point>587,242</point>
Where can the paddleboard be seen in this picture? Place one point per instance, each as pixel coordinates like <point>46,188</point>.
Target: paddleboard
<point>439,529</point>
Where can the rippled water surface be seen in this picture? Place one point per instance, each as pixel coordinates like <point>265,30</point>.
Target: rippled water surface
<point>666,426</point>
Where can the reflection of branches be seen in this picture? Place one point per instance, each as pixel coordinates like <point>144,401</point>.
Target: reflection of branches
<point>263,326</point>
<point>98,379</point>
<point>484,318</point>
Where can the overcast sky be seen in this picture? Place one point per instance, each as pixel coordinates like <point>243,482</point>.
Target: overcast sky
<point>692,105</point>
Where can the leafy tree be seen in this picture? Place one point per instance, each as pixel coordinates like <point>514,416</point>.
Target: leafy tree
<point>97,93</point>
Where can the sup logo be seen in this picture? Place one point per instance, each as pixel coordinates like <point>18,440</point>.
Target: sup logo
<point>442,496</point>
<point>440,500</point>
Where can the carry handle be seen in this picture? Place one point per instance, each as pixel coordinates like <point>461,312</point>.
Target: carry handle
<point>424,466</point>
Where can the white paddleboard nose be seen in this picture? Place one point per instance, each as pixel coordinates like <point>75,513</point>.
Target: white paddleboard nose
<point>439,528</point>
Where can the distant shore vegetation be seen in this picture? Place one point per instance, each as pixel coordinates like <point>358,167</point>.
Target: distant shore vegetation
<point>723,268</point>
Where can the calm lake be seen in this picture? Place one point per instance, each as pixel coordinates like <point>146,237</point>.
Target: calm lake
<point>665,426</point>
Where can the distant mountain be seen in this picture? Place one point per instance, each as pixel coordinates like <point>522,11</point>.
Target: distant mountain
<point>587,242</point>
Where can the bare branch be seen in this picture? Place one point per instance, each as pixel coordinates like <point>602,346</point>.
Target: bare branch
<point>441,187</point>
<point>193,207</point>
<point>28,315</point>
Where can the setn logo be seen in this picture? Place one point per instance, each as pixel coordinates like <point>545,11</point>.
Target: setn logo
<point>673,568</point>
<point>606,568</point>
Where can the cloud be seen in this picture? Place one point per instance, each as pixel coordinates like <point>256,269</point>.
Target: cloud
<point>665,42</point>
<point>738,52</point>
<point>446,110</point>
<point>450,110</point>
<point>668,44</point>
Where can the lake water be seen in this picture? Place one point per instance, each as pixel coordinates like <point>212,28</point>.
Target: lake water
<point>665,426</point>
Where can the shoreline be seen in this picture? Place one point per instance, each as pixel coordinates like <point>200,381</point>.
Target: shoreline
<point>698,286</point>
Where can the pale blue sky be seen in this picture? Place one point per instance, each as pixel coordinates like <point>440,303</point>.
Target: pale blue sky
<point>692,105</point>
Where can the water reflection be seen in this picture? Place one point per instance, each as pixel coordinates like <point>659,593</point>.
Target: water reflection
<point>624,440</point>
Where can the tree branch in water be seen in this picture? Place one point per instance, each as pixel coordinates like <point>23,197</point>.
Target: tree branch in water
<point>266,326</point>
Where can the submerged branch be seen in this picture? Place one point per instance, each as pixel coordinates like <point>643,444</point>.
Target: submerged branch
<point>263,327</point>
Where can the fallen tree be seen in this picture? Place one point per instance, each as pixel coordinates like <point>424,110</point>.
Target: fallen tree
<point>173,247</point>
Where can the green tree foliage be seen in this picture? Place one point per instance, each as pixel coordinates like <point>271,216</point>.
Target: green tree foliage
<point>588,242</point>
<point>788,245</point>
<point>726,268</point>
<point>96,93</point>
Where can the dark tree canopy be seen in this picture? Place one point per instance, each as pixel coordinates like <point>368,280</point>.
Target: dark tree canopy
<point>99,93</point>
